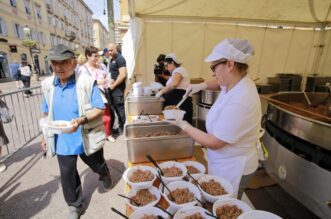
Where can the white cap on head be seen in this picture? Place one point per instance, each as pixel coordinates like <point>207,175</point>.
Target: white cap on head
<point>232,49</point>
<point>173,57</point>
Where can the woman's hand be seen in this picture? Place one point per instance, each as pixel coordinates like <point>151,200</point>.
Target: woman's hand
<point>195,88</point>
<point>43,144</point>
<point>75,123</point>
<point>180,123</point>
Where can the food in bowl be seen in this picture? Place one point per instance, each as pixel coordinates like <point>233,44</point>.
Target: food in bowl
<point>141,176</point>
<point>171,107</point>
<point>181,196</point>
<point>194,216</point>
<point>172,171</point>
<point>228,212</point>
<point>192,169</point>
<point>146,216</point>
<point>143,197</point>
<point>213,187</point>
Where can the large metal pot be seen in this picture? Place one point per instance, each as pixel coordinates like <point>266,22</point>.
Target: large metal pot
<point>202,110</point>
<point>208,96</point>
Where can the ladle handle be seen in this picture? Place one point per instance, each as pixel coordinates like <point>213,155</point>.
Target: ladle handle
<point>119,213</point>
<point>149,157</point>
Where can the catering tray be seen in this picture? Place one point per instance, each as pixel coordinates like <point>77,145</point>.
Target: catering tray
<point>159,147</point>
<point>150,105</point>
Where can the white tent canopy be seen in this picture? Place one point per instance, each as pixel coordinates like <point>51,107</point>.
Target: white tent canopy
<point>289,36</point>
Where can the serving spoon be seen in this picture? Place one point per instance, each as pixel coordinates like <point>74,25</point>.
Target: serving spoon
<point>131,199</point>
<point>165,186</point>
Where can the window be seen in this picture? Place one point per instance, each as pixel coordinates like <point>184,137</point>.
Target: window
<point>42,38</point>
<point>27,7</point>
<point>3,27</point>
<point>13,3</point>
<point>18,31</point>
<point>53,40</point>
<point>38,11</point>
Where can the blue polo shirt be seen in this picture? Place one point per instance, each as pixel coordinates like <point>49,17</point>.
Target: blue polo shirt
<point>65,107</point>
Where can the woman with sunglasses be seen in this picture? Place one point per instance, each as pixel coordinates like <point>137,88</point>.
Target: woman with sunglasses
<point>233,122</point>
<point>176,86</point>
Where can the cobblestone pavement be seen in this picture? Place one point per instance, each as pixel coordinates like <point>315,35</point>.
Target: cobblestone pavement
<point>30,187</point>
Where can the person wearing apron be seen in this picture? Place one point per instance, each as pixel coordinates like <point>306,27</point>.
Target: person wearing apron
<point>176,87</point>
<point>233,122</point>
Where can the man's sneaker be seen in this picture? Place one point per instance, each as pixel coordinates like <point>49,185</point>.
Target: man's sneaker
<point>111,139</point>
<point>75,213</point>
<point>107,183</point>
<point>2,167</point>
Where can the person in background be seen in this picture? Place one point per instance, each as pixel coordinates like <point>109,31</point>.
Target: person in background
<point>81,60</point>
<point>175,87</point>
<point>64,96</point>
<point>95,69</point>
<point>25,71</point>
<point>15,74</point>
<point>105,57</point>
<point>3,141</point>
<point>117,69</point>
<point>233,122</point>
<point>161,74</point>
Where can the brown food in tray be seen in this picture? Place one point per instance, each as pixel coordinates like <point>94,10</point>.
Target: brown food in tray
<point>171,107</point>
<point>194,216</point>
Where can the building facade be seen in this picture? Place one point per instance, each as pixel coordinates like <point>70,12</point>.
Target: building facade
<point>122,26</point>
<point>100,34</point>
<point>50,22</point>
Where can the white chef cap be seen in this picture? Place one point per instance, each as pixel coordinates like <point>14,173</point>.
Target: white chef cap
<point>232,49</point>
<point>173,57</point>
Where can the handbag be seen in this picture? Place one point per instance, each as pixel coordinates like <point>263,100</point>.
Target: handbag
<point>93,133</point>
<point>5,115</point>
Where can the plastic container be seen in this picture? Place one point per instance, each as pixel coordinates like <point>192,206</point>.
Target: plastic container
<point>139,185</point>
<point>257,214</point>
<point>231,201</point>
<point>197,165</point>
<point>191,210</point>
<point>59,126</point>
<point>174,114</point>
<point>148,211</point>
<point>224,183</point>
<point>181,185</point>
<point>152,190</point>
<point>169,164</point>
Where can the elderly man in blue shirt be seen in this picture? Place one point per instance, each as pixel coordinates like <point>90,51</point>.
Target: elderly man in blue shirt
<point>70,145</point>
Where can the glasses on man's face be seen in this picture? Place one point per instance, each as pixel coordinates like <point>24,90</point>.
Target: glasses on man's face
<point>214,66</point>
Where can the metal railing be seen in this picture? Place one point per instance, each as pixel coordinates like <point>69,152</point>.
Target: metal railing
<point>25,125</point>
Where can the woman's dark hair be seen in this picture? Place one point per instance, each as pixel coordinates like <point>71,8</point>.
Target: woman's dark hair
<point>160,58</point>
<point>169,60</point>
<point>90,50</point>
<point>242,67</point>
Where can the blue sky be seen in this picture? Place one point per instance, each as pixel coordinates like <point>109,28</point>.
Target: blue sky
<point>97,6</point>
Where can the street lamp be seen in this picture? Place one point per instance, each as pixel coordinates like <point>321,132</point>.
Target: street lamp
<point>30,44</point>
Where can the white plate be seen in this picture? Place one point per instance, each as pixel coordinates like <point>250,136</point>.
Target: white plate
<point>59,126</point>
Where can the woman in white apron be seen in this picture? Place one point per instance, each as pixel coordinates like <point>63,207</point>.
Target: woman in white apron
<point>233,122</point>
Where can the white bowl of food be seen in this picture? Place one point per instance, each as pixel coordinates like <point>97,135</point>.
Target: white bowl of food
<point>59,126</point>
<point>144,197</point>
<point>173,171</point>
<point>148,213</point>
<point>184,194</point>
<point>257,214</point>
<point>230,206</point>
<point>214,187</point>
<point>140,177</point>
<point>174,114</point>
<point>195,168</point>
<point>192,212</point>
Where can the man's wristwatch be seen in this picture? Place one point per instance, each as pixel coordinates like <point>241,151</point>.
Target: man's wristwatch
<point>85,120</point>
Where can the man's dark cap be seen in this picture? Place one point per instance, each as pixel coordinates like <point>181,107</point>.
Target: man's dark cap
<point>60,52</point>
<point>105,50</point>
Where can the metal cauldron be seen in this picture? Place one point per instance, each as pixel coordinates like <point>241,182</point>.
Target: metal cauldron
<point>208,96</point>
